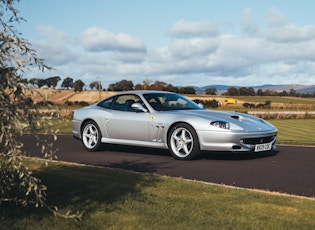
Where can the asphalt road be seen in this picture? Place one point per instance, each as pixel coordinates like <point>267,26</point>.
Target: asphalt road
<point>289,169</point>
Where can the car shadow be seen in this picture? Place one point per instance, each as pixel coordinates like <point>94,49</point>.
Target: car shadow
<point>135,149</point>
<point>212,155</point>
<point>206,155</point>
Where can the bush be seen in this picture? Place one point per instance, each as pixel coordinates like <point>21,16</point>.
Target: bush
<point>45,103</point>
<point>69,103</point>
<point>208,103</point>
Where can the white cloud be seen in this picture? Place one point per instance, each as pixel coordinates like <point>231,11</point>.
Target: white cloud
<point>248,21</point>
<point>55,54</point>
<point>188,48</point>
<point>290,33</point>
<point>52,33</point>
<point>197,55</point>
<point>55,47</point>
<point>183,28</point>
<point>98,39</point>
<point>276,18</point>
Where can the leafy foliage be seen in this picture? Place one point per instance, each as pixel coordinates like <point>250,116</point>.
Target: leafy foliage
<point>96,84</point>
<point>208,103</point>
<point>187,90</point>
<point>17,112</point>
<point>123,85</point>
<point>211,91</point>
<point>157,85</point>
<point>67,83</point>
<point>78,85</point>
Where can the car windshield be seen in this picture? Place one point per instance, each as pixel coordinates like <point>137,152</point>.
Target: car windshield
<point>169,101</point>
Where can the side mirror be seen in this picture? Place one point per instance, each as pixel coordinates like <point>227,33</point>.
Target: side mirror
<point>138,106</point>
<point>200,105</point>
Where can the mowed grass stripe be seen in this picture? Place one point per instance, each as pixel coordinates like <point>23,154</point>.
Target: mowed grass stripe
<point>295,131</point>
<point>276,99</point>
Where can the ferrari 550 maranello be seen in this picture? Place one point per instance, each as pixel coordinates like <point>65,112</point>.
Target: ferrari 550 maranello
<point>170,121</point>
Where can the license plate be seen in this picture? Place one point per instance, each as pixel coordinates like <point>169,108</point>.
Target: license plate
<point>263,147</point>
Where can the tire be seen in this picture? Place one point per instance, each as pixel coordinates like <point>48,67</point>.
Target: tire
<point>91,136</point>
<point>183,142</point>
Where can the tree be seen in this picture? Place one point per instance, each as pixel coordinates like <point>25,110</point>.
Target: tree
<point>283,93</point>
<point>146,83</point>
<point>268,104</point>
<point>139,87</point>
<point>187,90</point>
<point>78,86</point>
<point>232,91</point>
<point>17,184</point>
<point>96,84</point>
<point>260,92</point>
<point>292,92</point>
<point>41,82</point>
<point>52,81</point>
<point>211,91</point>
<point>158,85</point>
<point>33,81</point>
<point>67,83</point>
<point>171,88</point>
<point>243,91</point>
<point>123,85</point>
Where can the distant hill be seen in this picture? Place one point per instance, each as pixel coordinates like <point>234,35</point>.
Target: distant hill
<point>278,88</point>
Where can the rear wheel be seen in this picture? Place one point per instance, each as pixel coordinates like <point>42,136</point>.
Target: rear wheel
<point>91,136</point>
<point>183,142</point>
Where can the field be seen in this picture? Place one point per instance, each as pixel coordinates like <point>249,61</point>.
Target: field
<point>278,100</point>
<point>295,131</point>
<point>61,96</point>
<point>116,199</point>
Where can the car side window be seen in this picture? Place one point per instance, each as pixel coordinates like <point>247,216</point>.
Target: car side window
<point>124,102</point>
<point>107,103</point>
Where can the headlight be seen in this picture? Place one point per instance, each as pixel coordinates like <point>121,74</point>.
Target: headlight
<point>221,124</point>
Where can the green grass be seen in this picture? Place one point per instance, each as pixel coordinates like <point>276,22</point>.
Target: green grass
<point>115,199</point>
<point>63,126</point>
<point>295,131</point>
<point>277,99</point>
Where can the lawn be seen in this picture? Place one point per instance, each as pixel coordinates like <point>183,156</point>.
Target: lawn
<point>116,199</point>
<point>295,131</point>
<point>277,99</point>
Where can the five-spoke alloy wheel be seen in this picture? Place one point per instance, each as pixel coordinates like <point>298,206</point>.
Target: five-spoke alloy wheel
<point>183,142</point>
<point>91,136</point>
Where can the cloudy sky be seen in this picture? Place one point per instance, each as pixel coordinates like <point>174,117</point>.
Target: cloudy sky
<point>182,42</point>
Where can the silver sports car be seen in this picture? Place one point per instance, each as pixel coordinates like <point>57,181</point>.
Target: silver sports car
<point>170,121</point>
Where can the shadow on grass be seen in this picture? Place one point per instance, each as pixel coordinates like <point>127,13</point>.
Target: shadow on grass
<point>136,166</point>
<point>82,188</point>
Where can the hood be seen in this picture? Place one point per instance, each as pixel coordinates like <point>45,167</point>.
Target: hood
<point>238,121</point>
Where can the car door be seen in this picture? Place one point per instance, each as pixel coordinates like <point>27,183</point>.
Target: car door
<point>126,123</point>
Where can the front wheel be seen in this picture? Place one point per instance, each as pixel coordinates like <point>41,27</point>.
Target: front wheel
<point>91,136</point>
<point>183,142</point>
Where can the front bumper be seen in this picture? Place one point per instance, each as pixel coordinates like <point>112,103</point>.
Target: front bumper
<point>235,141</point>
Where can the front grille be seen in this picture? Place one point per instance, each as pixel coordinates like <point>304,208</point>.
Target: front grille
<point>258,140</point>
